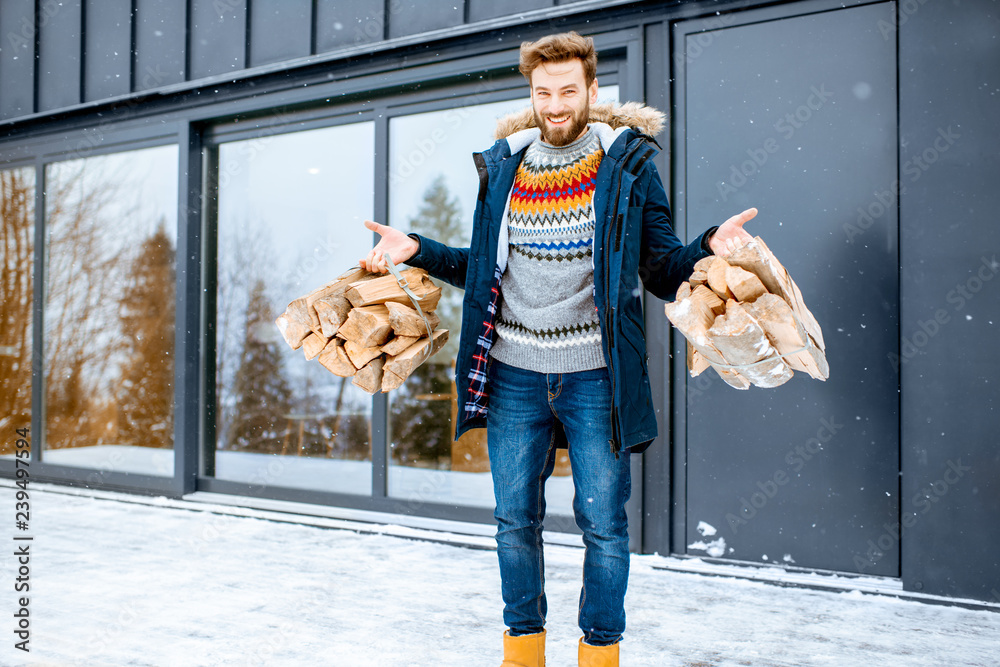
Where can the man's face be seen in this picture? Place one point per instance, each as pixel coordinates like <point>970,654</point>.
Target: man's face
<point>561,101</point>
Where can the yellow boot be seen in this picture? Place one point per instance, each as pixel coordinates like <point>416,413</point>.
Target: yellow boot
<point>524,651</point>
<point>597,656</point>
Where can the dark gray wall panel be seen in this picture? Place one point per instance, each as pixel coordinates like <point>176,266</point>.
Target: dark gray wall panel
<point>341,23</point>
<point>480,10</point>
<point>59,49</point>
<point>17,58</point>
<point>409,17</point>
<point>950,363</point>
<point>217,37</point>
<point>108,47</point>
<point>797,117</point>
<point>160,43</point>
<point>279,30</point>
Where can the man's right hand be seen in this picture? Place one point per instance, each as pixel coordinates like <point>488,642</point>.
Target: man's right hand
<point>395,243</point>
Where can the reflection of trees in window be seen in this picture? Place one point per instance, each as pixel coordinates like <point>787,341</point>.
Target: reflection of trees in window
<point>85,272</point>
<point>422,408</point>
<point>17,212</point>
<point>262,399</point>
<point>147,316</point>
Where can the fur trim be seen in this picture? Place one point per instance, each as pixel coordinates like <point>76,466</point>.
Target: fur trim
<point>636,115</point>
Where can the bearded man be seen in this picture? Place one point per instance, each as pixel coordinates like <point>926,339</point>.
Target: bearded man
<point>571,215</point>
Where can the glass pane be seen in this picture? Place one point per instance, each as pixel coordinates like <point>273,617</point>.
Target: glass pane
<point>432,190</point>
<point>290,214</point>
<point>109,311</point>
<point>17,213</point>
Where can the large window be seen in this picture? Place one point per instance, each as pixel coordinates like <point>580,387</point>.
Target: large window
<point>17,217</point>
<point>109,311</point>
<point>432,191</point>
<point>290,210</point>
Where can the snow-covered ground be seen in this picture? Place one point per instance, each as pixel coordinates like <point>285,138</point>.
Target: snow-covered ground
<point>124,580</point>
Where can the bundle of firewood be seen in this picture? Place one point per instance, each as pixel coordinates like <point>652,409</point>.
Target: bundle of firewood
<point>744,316</point>
<point>364,326</point>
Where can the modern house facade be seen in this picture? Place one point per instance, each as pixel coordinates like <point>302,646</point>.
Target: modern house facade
<point>174,173</point>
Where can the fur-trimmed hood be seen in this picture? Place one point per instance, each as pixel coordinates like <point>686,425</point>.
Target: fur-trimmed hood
<point>636,115</point>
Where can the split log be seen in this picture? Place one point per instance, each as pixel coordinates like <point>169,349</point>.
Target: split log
<point>369,378</point>
<point>706,296</point>
<point>359,354</point>
<point>405,321</point>
<point>313,345</point>
<point>703,264</point>
<point>334,358</point>
<point>386,288</point>
<point>745,286</point>
<point>368,326</point>
<point>398,344</point>
<point>292,330</point>
<point>697,363</point>
<point>332,311</point>
<point>399,367</point>
<point>698,278</point>
<point>693,319</point>
<point>741,340</point>
<point>786,334</point>
<point>717,278</point>
<point>757,258</point>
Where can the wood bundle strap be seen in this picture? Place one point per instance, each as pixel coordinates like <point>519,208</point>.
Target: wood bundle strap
<point>745,317</point>
<point>372,328</point>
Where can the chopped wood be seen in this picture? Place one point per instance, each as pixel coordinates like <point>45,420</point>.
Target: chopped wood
<point>698,278</point>
<point>693,319</point>
<point>697,363</point>
<point>313,345</point>
<point>398,344</point>
<point>386,288</point>
<point>332,311</point>
<point>757,258</point>
<point>399,367</point>
<point>334,287</point>
<point>294,332</point>
<point>359,354</point>
<point>368,326</point>
<point>717,278</point>
<point>742,341</point>
<point>683,292</point>
<point>369,378</point>
<point>703,264</point>
<point>334,358</point>
<point>745,286</point>
<point>706,296</point>
<point>788,336</point>
<point>405,321</point>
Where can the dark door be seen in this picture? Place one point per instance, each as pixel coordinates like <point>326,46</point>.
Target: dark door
<point>796,115</point>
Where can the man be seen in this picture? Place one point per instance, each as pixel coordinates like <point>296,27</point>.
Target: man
<point>571,215</point>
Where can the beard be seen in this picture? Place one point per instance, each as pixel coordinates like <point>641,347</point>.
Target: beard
<point>566,134</point>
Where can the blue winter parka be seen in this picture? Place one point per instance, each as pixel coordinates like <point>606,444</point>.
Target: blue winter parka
<point>633,240</point>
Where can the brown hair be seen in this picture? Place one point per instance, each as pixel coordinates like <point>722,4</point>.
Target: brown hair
<point>559,48</point>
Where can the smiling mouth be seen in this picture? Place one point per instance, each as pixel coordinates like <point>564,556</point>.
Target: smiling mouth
<point>557,120</point>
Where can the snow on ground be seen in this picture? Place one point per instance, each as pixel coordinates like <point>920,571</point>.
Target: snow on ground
<point>119,581</point>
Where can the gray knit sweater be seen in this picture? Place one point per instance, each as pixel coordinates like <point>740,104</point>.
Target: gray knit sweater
<point>547,321</point>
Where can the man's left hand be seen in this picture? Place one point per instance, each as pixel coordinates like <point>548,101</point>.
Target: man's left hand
<point>730,235</point>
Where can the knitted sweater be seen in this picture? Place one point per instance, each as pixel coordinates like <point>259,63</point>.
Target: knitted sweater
<point>547,321</point>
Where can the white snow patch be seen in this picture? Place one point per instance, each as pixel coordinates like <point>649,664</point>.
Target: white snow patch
<point>706,529</point>
<point>715,548</point>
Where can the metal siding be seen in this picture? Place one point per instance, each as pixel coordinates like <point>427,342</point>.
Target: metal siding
<point>17,58</point>
<point>108,47</point>
<point>160,43</point>
<point>805,473</point>
<point>59,50</point>
<point>409,17</point>
<point>280,30</point>
<point>950,167</point>
<point>342,23</point>
<point>217,37</point>
<point>480,10</point>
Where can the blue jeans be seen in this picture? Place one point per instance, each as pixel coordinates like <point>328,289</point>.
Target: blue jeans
<point>523,410</point>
